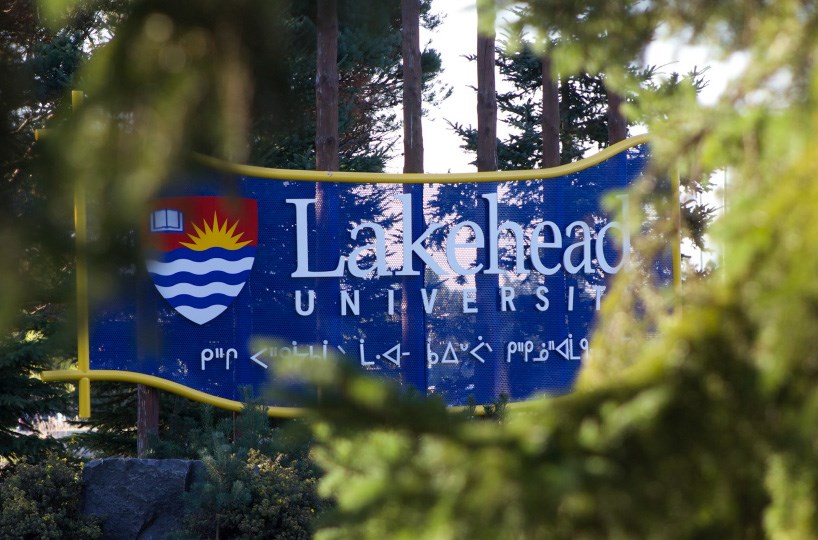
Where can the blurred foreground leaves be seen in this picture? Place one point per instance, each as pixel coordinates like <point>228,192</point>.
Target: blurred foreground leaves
<point>173,78</point>
<point>695,416</point>
<point>677,453</point>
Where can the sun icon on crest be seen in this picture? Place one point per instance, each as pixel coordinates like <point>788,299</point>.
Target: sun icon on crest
<point>217,236</point>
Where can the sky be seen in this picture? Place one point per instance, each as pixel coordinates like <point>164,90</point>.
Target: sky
<point>457,37</point>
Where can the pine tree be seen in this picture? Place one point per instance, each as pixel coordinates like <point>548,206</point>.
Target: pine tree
<point>370,88</point>
<point>582,122</point>
<point>38,65</point>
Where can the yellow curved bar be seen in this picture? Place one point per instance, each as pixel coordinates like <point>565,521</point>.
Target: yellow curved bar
<point>65,375</point>
<point>419,178</point>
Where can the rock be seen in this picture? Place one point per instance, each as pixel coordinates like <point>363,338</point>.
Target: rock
<point>138,498</point>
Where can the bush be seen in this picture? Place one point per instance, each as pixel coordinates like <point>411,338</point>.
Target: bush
<point>258,486</point>
<point>42,501</point>
<point>257,497</point>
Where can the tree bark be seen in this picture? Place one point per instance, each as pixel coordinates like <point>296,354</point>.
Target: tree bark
<point>326,86</point>
<point>617,126</point>
<point>412,87</point>
<point>550,116</point>
<point>327,159</point>
<point>487,285</point>
<point>413,316</point>
<point>486,101</point>
<point>147,419</point>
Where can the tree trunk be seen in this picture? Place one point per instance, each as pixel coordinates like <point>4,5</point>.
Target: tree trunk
<point>486,99</point>
<point>412,87</point>
<point>617,127</point>
<point>326,87</point>
<point>147,419</point>
<point>326,159</point>
<point>550,116</point>
<point>487,284</point>
<point>413,317</point>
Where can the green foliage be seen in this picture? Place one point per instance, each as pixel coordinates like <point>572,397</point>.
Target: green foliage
<point>696,410</point>
<point>582,108</point>
<point>667,455</point>
<point>38,65</point>
<point>158,89</point>
<point>260,485</point>
<point>185,426</point>
<point>253,496</point>
<point>42,501</point>
<point>583,100</point>
<point>369,65</point>
<point>23,397</point>
<point>695,413</point>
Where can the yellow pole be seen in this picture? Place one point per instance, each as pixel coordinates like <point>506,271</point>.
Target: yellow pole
<point>81,229</point>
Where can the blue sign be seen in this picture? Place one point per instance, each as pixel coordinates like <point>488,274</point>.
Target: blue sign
<point>466,290</point>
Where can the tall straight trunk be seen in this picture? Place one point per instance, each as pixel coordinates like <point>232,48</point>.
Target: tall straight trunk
<point>487,284</point>
<point>147,419</point>
<point>413,317</point>
<point>617,127</point>
<point>326,159</point>
<point>550,116</point>
<point>486,98</point>
<point>552,192</point>
<point>326,86</point>
<point>412,87</point>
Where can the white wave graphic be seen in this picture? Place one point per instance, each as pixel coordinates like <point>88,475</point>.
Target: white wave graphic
<point>200,268</point>
<point>201,315</point>
<point>200,291</point>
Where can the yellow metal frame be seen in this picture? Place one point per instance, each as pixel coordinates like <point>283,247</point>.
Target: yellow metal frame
<point>81,228</point>
<point>420,178</point>
<point>84,374</point>
<point>65,375</point>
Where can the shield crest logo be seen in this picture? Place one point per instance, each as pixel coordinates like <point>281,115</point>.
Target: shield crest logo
<point>201,251</point>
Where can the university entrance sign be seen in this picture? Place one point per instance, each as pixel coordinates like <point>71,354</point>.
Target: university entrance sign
<point>492,288</point>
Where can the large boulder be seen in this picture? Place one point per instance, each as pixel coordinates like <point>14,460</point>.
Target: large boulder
<point>138,498</point>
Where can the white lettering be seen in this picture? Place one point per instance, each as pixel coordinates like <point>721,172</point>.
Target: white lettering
<point>391,308</point>
<point>452,245</point>
<point>416,247</point>
<point>378,248</point>
<point>541,292</point>
<point>599,289</point>
<point>493,233</point>
<point>584,254</point>
<point>584,243</point>
<point>507,299</point>
<point>310,303</point>
<point>302,244</point>
<point>428,302</point>
<point>469,299</point>
<point>353,303</point>
<point>537,245</point>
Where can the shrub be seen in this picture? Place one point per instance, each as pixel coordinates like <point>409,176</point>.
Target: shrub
<point>42,501</point>
<point>262,485</point>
